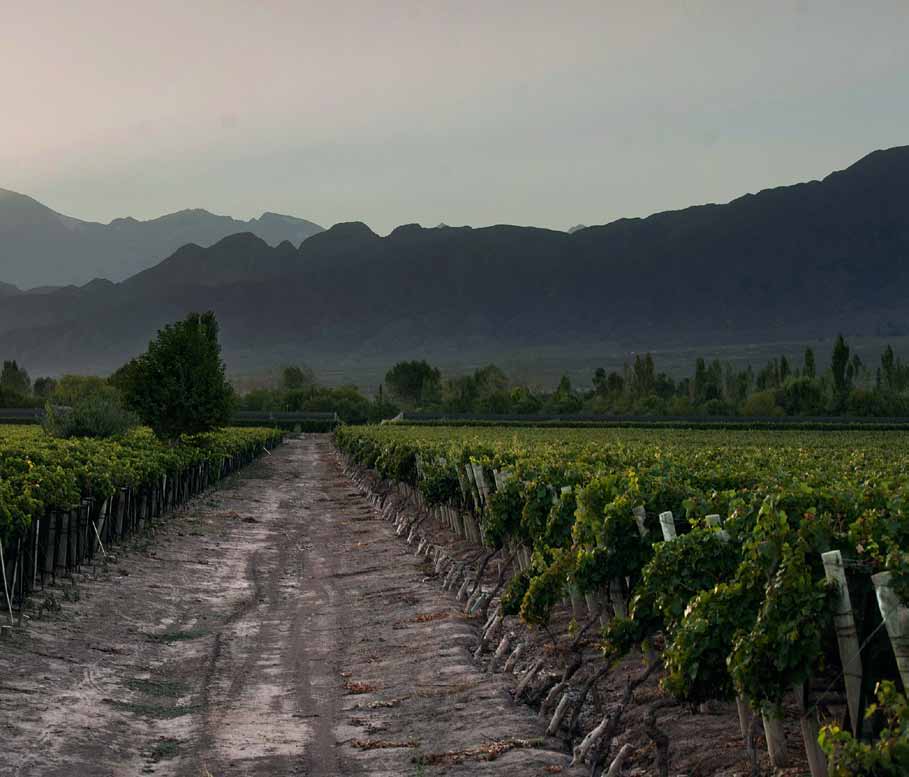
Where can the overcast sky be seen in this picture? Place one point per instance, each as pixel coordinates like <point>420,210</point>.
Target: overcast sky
<point>546,113</point>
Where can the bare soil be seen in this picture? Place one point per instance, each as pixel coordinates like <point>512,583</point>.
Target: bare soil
<point>275,626</point>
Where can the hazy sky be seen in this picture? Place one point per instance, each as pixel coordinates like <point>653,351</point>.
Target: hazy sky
<point>464,112</point>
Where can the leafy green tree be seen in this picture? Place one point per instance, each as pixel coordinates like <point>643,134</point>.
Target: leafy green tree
<point>839,366</point>
<point>179,386</point>
<point>664,386</point>
<point>801,396</point>
<point>414,382</point>
<point>784,369</point>
<point>599,382</point>
<point>44,387</point>
<point>809,370</point>
<point>564,400</point>
<point>762,404</point>
<point>71,389</point>
<point>524,402</point>
<point>15,379</point>
<point>643,381</point>
<point>294,377</point>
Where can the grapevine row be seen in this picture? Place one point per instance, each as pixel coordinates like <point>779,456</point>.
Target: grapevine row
<point>740,600</point>
<point>62,501</point>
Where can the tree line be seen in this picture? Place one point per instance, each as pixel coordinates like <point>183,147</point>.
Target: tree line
<point>846,386</point>
<point>782,387</point>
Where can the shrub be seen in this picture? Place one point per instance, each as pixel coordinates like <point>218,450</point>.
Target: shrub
<point>95,415</point>
<point>70,389</point>
<point>762,404</point>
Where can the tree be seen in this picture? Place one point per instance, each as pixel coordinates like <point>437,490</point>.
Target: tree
<point>179,386</point>
<point>294,377</point>
<point>600,386</point>
<point>71,389</point>
<point>15,379</point>
<point>801,396</point>
<point>44,387</point>
<point>784,369</point>
<point>888,369</point>
<point>643,376</point>
<point>564,400</point>
<point>839,366</point>
<point>808,368</point>
<point>413,382</point>
<point>762,404</point>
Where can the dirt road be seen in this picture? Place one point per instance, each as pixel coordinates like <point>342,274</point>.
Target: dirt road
<point>274,627</point>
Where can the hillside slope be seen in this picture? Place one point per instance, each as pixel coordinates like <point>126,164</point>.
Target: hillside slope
<point>791,263</point>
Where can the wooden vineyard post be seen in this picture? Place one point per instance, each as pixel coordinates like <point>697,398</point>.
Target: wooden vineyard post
<point>846,636</point>
<point>896,619</point>
<point>667,524</point>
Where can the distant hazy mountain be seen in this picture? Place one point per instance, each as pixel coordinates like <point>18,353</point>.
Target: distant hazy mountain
<point>39,246</point>
<point>793,263</point>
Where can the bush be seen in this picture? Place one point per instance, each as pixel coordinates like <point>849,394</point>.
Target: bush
<point>71,389</point>
<point>95,415</point>
<point>13,399</point>
<point>762,404</point>
<point>802,396</point>
<point>178,386</point>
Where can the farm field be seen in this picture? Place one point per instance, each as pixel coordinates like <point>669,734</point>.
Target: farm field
<point>275,626</point>
<point>745,564</point>
<point>433,600</point>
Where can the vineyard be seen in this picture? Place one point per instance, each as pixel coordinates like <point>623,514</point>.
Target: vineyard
<point>62,502</point>
<point>765,568</point>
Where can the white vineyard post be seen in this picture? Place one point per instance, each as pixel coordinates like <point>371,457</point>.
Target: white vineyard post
<point>846,636</point>
<point>577,603</point>
<point>640,515</point>
<point>817,761</point>
<point>745,715</point>
<point>592,607</point>
<point>480,479</point>
<point>775,735</point>
<point>896,619</point>
<point>667,524</point>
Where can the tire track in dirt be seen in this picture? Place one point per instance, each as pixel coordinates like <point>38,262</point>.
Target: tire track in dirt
<point>275,627</point>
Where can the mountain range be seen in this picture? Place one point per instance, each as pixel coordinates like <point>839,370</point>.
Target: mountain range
<point>787,264</point>
<point>40,247</point>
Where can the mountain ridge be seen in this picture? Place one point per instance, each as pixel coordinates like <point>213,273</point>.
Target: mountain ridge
<point>791,263</point>
<point>39,246</point>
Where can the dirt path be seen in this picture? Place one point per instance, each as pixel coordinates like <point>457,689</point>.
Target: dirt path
<point>275,627</point>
